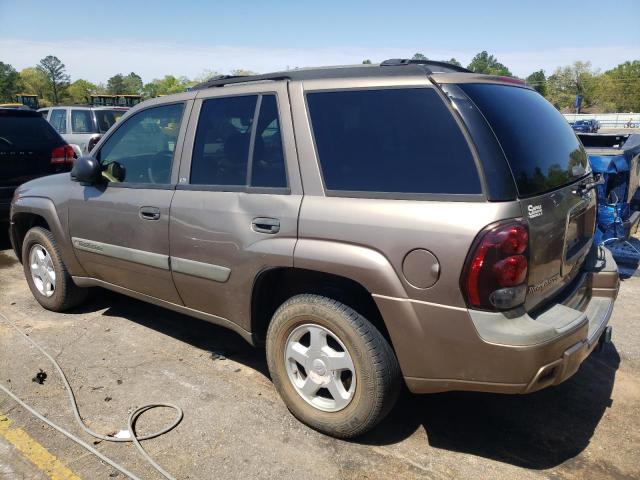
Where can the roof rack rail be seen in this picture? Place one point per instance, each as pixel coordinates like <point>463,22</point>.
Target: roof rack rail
<point>395,62</point>
<point>222,80</point>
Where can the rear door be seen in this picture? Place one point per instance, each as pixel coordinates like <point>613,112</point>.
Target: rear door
<point>235,210</point>
<point>549,165</point>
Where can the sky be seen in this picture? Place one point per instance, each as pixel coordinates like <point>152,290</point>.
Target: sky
<point>96,40</point>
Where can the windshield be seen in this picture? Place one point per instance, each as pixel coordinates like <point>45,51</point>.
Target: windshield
<point>106,118</point>
<point>541,148</point>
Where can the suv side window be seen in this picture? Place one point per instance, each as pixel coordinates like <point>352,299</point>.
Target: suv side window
<point>222,153</point>
<point>396,140</point>
<point>141,150</point>
<point>268,157</point>
<point>81,121</point>
<point>59,120</point>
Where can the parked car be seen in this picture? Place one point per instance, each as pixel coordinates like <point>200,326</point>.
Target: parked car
<point>81,125</point>
<point>586,126</point>
<point>29,148</point>
<point>370,224</point>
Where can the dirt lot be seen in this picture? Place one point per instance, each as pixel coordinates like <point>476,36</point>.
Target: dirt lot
<point>120,353</point>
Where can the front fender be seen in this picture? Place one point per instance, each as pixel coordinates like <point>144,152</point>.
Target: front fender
<point>368,267</point>
<point>57,220</point>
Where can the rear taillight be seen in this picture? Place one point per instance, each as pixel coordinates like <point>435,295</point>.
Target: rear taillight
<point>92,143</point>
<point>495,276</point>
<point>63,155</point>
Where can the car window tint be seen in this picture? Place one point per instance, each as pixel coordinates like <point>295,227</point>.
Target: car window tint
<point>107,118</point>
<point>26,132</point>
<point>391,140</point>
<point>221,148</point>
<point>541,148</point>
<point>44,113</point>
<point>81,121</point>
<point>59,120</point>
<point>268,168</point>
<point>142,149</point>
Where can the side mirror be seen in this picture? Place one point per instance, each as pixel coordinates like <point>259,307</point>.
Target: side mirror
<point>86,169</point>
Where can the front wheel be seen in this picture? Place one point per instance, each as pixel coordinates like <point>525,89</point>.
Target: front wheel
<point>47,276</point>
<point>333,369</point>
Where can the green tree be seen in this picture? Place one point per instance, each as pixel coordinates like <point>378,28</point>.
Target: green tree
<point>133,84</point>
<point>9,82</point>
<point>453,61</point>
<point>485,63</point>
<point>366,62</point>
<point>166,86</point>
<point>57,77</point>
<point>35,82</point>
<point>419,56</point>
<point>569,81</point>
<point>116,85</point>
<point>619,88</point>
<point>80,90</point>
<point>538,80</point>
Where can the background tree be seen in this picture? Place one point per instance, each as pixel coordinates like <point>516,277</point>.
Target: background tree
<point>241,72</point>
<point>9,82</point>
<point>366,62</point>
<point>538,80</point>
<point>80,90</point>
<point>166,86</point>
<point>453,61</point>
<point>619,88</point>
<point>116,85</point>
<point>485,63</point>
<point>56,75</point>
<point>567,82</point>
<point>419,56</point>
<point>133,84</point>
<point>35,82</point>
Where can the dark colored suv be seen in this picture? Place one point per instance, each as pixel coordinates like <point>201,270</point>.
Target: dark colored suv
<point>406,221</point>
<point>29,148</point>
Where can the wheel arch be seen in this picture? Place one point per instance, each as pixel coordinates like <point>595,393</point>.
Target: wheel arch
<point>29,212</point>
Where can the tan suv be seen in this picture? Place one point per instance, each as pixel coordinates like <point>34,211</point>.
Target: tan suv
<point>408,221</point>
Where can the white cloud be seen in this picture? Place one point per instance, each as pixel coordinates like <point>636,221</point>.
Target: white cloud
<point>98,61</point>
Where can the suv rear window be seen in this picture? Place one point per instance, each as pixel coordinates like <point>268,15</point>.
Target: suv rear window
<point>26,132</point>
<point>400,140</point>
<point>541,148</point>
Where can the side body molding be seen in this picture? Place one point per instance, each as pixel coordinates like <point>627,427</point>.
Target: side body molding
<point>368,267</point>
<point>58,223</point>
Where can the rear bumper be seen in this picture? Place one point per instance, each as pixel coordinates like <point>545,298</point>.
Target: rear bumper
<point>449,348</point>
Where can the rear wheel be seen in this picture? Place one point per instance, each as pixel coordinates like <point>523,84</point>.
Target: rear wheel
<point>46,274</point>
<point>333,369</point>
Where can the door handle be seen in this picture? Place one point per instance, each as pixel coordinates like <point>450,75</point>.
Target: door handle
<point>265,225</point>
<point>149,213</point>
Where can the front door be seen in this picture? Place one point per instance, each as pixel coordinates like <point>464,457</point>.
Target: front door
<point>120,226</point>
<point>235,210</point>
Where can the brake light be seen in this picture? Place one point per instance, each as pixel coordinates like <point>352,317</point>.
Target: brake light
<point>92,143</point>
<point>495,276</point>
<point>63,155</point>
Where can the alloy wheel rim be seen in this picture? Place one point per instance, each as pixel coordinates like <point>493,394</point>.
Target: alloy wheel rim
<point>43,273</point>
<point>320,367</point>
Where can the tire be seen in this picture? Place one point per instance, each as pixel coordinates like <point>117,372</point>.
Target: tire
<point>64,294</point>
<point>375,367</point>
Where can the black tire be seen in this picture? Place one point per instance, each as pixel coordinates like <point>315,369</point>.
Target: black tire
<point>376,367</point>
<point>66,294</point>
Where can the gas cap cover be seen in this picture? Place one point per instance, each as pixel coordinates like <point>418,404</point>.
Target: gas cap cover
<point>421,268</point>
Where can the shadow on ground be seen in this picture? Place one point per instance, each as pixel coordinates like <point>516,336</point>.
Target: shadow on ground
<point>537,431</point>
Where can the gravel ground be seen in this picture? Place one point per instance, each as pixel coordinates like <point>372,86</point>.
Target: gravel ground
<point>120,353</point>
